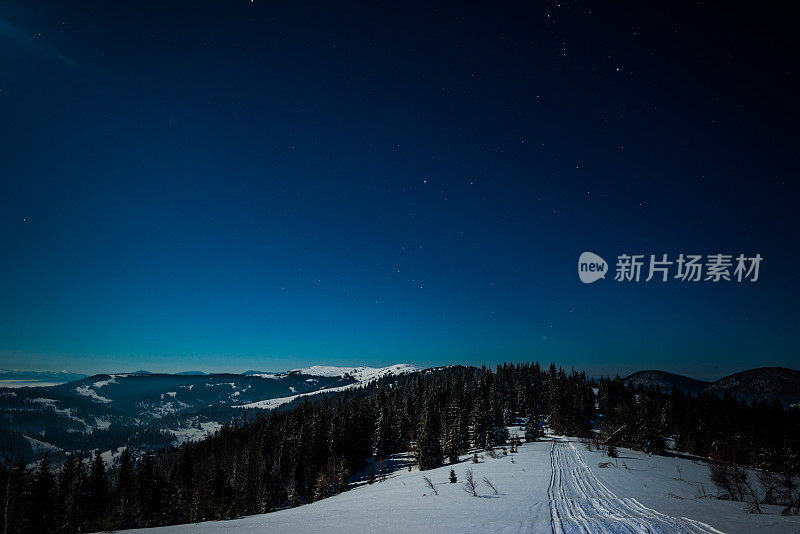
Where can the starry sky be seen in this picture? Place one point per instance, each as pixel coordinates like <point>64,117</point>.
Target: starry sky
<point>232,185</point>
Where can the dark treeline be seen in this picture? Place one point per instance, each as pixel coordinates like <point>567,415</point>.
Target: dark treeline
<point>738,438</point>
<point>308,452</point>
<point>765,435</point>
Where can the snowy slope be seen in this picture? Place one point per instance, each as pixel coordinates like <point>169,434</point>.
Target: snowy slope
<point>579,502</point>
<point>646,497</point>
<point>362,374</point>
<point>270,404</point>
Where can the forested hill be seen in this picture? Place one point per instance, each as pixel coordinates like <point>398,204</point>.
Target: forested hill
<point>308,452</point>
<point>145,410</point>
<point>753,385</point>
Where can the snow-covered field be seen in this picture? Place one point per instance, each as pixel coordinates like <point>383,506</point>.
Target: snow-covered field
<point>195,433</point>
<point>546,487</point>
<point>579,502</point>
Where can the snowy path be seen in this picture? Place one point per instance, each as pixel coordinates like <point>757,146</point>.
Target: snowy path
<point>580,503</point>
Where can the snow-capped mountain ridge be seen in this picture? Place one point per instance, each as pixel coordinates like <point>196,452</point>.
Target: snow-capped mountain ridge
<point>361,374</point>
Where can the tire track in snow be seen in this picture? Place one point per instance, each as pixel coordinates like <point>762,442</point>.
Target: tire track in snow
<point>581,504</point>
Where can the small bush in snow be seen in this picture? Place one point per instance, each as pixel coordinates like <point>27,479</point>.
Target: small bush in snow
<point>429,483</point>
<point>489,483</point>
<point>471,486</point>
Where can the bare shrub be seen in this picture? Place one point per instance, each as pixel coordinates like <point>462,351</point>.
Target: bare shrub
<point>471,486</point>
<point>732,479</point>
<point>429,483</point>
<point>702,494</point>
<point>489,483</point>
<point>792,508</point>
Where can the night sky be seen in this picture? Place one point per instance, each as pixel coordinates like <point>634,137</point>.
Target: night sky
<point>232,185</point>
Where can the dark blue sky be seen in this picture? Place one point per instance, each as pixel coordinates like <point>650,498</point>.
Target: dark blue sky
<point>232,185</point>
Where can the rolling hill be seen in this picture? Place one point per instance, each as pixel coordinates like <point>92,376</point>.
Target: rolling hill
<point>753,385</point>
<point>147,410</point>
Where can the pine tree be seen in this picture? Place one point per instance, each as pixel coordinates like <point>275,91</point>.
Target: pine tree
<point>97,493</point>
<point>147,491</point>
<point>480,424</point>
<point>371,475</point>
<point>69,492</point>
<point>124,492</point>
<point>383,433</point>
<point>41,515</point>
<point>453,442</point>
<point>429,449</point>
<point>17,487</point>
<point>533,429</point>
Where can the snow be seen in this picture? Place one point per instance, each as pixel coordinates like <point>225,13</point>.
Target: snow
<point>41,446</point>
<point>102,423</point>
<point>183,435</point>
<point>268,375</point>
<point>270,404</point>
<point>103,383</point>
<point>86,391</point>
<point>164,408</point>
<point>671,485</point>
<point>648,494</point>
<point>69,413</point>
<point>111,457</point>
<point>579,502</point>
<point>20,383</point>
<point>362,374</point>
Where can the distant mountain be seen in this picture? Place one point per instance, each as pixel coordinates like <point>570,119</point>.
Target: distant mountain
<point>144,409</point>
<point>21,378</point>
<point>189,373</point>
<point>361,374</point>
<point>754,385</point>
<point>666,381</point>
<point>765,382</point>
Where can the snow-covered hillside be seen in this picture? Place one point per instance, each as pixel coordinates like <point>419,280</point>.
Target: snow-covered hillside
<point>549,486</point>
<point>362,374</point>
<point>174,407</point>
